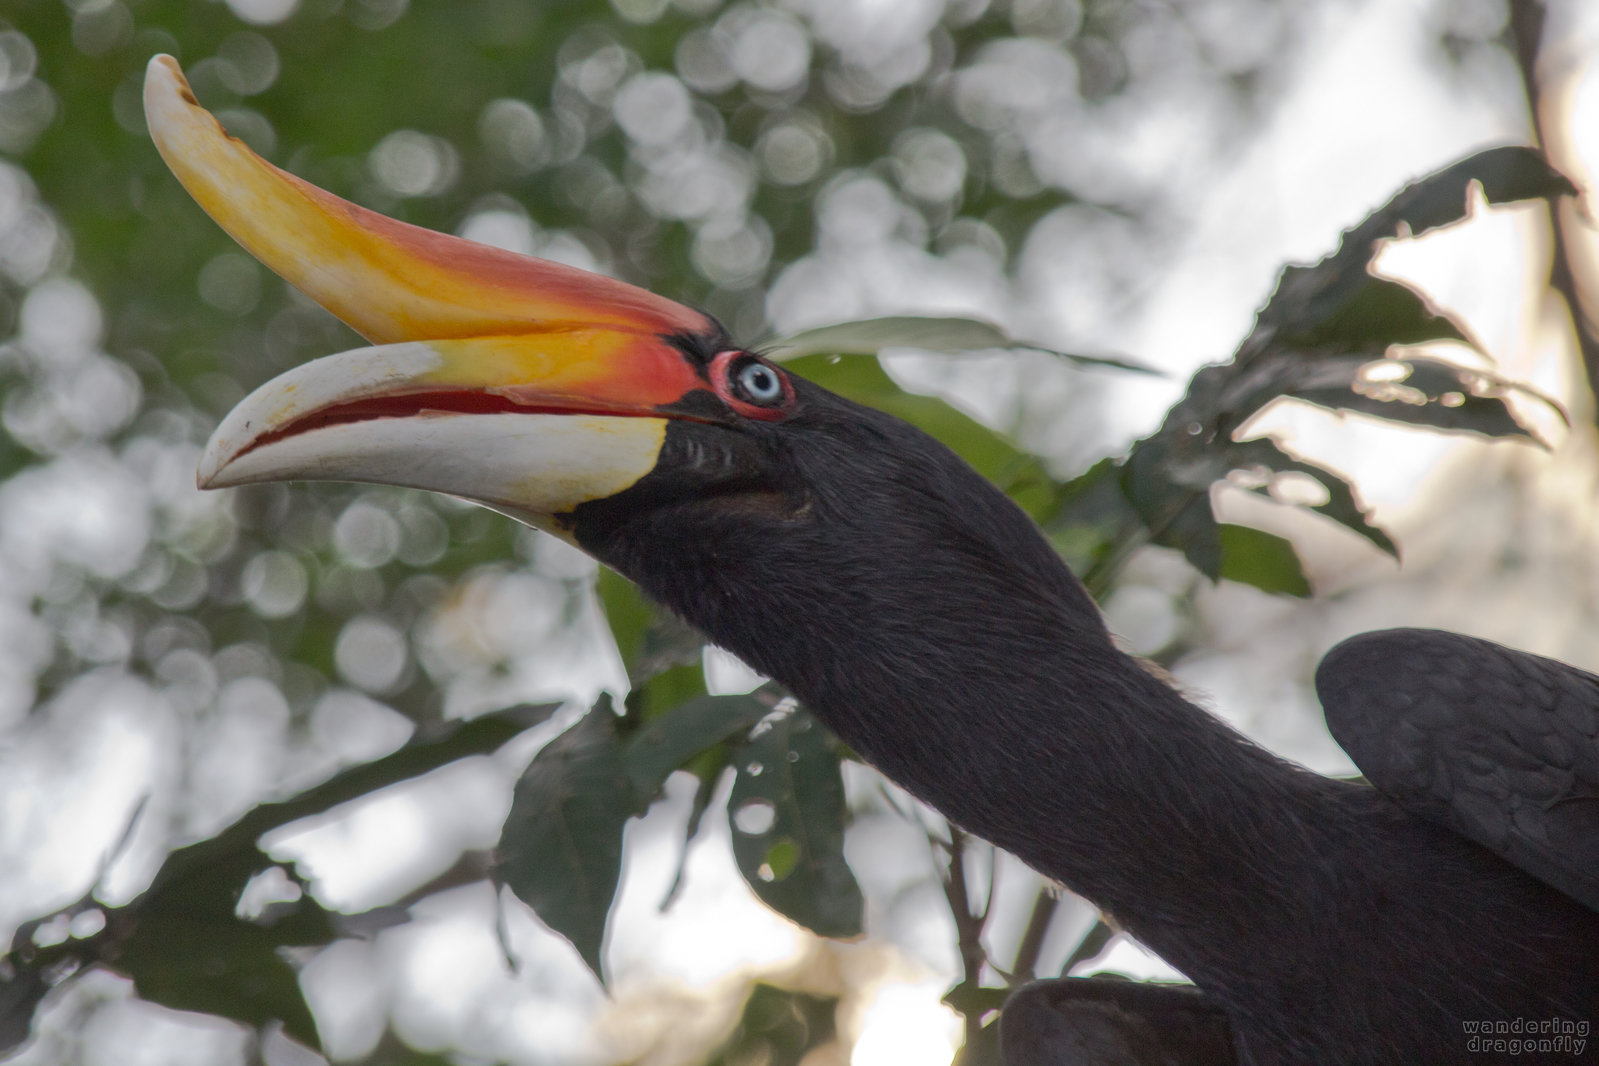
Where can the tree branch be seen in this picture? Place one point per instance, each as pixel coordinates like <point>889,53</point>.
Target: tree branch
<point>1527,24</point>
<point>1044,907</point>
<point>968,930</point>
<point>1092,944</point>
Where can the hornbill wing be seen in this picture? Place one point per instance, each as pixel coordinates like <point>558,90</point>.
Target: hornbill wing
<point>1109,1021</point>
<point>1498,745</point>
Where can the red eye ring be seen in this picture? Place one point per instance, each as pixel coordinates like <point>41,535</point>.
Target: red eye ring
<point>752,386</point>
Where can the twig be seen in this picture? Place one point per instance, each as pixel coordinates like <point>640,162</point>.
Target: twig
<point>1527,23</point>
<point>1092,944</point>
<point>968,929</point>
<point>1044,907</point>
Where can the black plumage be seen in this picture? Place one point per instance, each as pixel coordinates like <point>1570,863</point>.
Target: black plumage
<point>924,617</point>
<point>1109,1021</point>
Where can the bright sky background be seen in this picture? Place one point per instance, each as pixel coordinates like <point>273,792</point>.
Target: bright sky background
<point>1366,109</point>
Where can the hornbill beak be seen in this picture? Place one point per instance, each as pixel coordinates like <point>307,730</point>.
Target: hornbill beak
<point>524,385</point>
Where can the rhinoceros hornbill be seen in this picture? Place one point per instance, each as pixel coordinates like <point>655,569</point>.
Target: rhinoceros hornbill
<point>922,616</point>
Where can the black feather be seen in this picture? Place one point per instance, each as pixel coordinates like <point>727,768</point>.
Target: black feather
<point>1498,745</point>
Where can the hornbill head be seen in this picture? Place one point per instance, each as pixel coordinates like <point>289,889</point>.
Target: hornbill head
<point>617,419</point>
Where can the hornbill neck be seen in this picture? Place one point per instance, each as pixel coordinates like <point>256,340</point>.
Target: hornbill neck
<point>928,622</point>
<point>1098,774</point>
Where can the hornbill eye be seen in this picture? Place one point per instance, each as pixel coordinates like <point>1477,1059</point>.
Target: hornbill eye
<point>758,382</point>
<point>752,387</point>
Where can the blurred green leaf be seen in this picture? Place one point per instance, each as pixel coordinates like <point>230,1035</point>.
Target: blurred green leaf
<point>662,654</point>
<point>1324,303</point>
<point>671,740</point>
<point>1261,559</point>
<point>778,1028</point>
<point>217,966</point>
<point>561,849</point>
<point>976,999</point>
<point>1373,314</point>
<point>627,612</point>
<point>22,989</point>
<point>1176,515</point>
<point>1094,525</point>
<point>707,767</point>
<point>391,1050</point>
<point>947,334</point>
<point>984,1049</point>
<point>209,875</point>
<point>862,379</point>
<point>666,689</point>
<point>787,810</point>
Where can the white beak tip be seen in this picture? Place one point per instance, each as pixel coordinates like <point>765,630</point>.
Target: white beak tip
<point>212,472</point>
<point>167,96</point>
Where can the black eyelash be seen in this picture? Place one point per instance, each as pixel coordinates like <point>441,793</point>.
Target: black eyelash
<point>701,348</point>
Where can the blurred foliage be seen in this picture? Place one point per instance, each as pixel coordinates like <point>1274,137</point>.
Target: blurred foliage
<point>562,849</point>
<point>184,942</point>
<point>946,334</point>
<point>695,147</point>
<point>1022,476</point>
<point>778,1029</point>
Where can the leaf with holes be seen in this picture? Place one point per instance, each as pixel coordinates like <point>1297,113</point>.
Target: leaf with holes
<point>676,737</point>
<point>1167,479</point>
<point>1421,390</point>
<point>1341,505</point>
<point>561,849</point>
<point>787,810</point>
<point>1322,338</point>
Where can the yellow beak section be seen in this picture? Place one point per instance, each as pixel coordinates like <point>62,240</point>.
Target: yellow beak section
<point>388,280</point>
<point>525,385</point>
